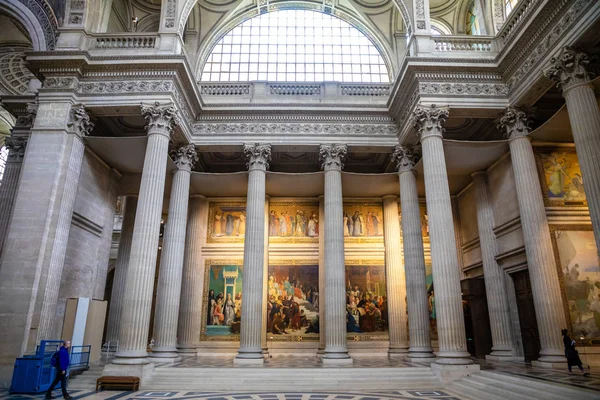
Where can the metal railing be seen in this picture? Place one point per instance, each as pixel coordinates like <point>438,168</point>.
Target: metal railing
<point>80,357</point>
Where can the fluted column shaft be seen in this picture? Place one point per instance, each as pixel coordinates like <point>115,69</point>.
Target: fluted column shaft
<point>263,338</point>
<point>322,281</point>
<point>137,303</point>
<point>497,297</point>
<point>191,312</point>
<point>414,257</point>
<point>171,264</point>
<point>395,277</point>
<point>335,275</point>
<point>446,276</point>
<point>118,290</point>
<point>254,256</point>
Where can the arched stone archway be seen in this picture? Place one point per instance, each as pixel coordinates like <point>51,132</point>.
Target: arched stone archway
<point>38,20</point>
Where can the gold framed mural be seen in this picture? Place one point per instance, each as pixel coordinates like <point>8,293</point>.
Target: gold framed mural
<point>222,300</point>
<point>578,266</point>
<point>363,222</point>
<point>294,222</point>
<point>226,222</point>
<point>293,301</point>
<point>560,177</point>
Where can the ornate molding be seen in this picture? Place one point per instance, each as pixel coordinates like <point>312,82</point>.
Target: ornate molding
<point>184,156</point>
<point>60,83</point>
<point>429,121</point>
<point>470,89</point>
<point>332,156</point>
<point>45,16</point>
<point>171,9</point>
<point>27,119</point>
<point>300,129</point>
<point>125,86</point>
<point>569,68</point>
<point>515,123</point>
<point>161,119</point>
<point>406,157</point>
<point>258,155</point>
<point>79,121</point>
<point>16,147</point>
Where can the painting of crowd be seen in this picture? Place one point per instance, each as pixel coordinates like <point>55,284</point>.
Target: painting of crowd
<point>363,220</point>
<point>294,220</point>
<point>224,300</point>
<point>228,220</point>
<point>293,301</point>
<point>366,300</point>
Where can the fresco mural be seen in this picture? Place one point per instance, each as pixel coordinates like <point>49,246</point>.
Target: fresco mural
<point>563,181</point>
<point>293,302</point>
<point>362,220</point>
<point>289,221</point>
<point>226,221</point>
<point>223,302</point>
<point>424,221</point>
<point>366,300</point>
<point>580,265</point>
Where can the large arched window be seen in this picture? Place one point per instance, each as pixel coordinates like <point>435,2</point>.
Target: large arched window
<point>295,46</point>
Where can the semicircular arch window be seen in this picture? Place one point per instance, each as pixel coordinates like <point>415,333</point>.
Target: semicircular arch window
<point>295,46</point>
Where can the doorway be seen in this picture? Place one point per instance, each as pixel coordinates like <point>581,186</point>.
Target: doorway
<point>529,328</point>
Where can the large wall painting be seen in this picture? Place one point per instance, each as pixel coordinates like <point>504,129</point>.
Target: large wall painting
<point>580,266</point>
<point>562,183</point>
<point>363,222</point>
<point>293,302</point>
<point>292,222</point>
<point>366,302</point>
<point>226,222</point>
<point>222,306</point>
<point>424,222</point>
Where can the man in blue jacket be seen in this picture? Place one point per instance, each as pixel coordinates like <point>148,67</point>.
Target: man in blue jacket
<point>61,363</point>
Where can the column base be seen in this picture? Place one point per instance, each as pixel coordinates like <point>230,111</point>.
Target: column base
<point>398,353</point>
<point>165,354</point>
<point>187,349</point>
<point>549,364</point>
<point>453,358</point>
<point>160,359</point>
<point>248,361</point>
<point>144,372</point>
<point>501,358</point>
<point>450,373</point>
<point>337,361</point>
<point>131,358</point>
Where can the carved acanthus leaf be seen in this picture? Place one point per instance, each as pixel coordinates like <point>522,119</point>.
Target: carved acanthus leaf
<point>406,157</point>
<point>16,148</point>
<point>429,121</point>
<point>185,156</point>
<point>258,155</point>
<point>515,123</point>
<point>332,156</point>
<point>160,118</point>
<point>569,68</point>
<point>79,121</point>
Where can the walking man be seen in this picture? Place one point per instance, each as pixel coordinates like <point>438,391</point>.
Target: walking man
<point>61,362</point>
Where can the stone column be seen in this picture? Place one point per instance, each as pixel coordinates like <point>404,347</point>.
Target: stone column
<point>569,70</point>
<point>250,350</point>
<point>493,274</point>
<point>446,276</point>
<point>10,181</point>
<point>322,282</point>
<point>263,338</point>
<point>336,351</point>
<point>171,264</point>
<point>414,257</point>
<point>191,311</point>
<point>395,277</point>
<point>137,302</point>
<point>116,298</point>
<point>538,245</point>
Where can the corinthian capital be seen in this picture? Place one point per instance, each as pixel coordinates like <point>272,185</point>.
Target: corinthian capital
<point>184,156</point>
<point>332,156</point>
<point>26,119</point>
<point>79,121</point>
<point>406,157</point>
<point>258,156</point>
<point>429,121</point>
<point>16,148</point>
<point>569,68</point>
<point>161,119</point>
<point>515,123</point>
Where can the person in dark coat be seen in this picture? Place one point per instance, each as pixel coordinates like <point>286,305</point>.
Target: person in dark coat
<point>571,353</point>
<point>62,365</point>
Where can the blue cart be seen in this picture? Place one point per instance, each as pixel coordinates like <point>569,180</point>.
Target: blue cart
<point>34,373</point>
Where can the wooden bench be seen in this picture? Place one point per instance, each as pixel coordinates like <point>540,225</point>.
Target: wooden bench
<point>111,382</point>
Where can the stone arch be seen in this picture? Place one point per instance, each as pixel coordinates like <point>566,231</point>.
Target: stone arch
<point>39,21</point>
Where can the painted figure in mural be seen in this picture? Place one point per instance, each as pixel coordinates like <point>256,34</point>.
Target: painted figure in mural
<point>242,218</point>
<point>377,227</point>
<point>370,225</point>
<point>556,186</point>
<point>218,230</point>
<point>365,310</point>
<point>229,310</point>
<point>347,224</point>
<point>211,306</point>
<point>357,224</point>
<point>272,223</point>
<point>300,224</point>
<point>312,226</point>
<point>283,224</point>
<point>229,224</point>
<point>218,316</point>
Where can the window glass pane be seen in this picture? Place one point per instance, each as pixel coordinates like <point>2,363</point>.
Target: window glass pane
<point>296,45</point>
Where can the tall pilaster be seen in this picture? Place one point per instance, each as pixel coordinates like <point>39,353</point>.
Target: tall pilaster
<point>137,302</point>
<point>538,244</point>
<point>336,350</point>
<point>171,264</point>
<point>250,350</point>
<point>497,296</point>
<point>116,298</point>
<point>569,70</point>
<point>414,257</point>
<point>446,276</point>
<point>322,281</point>
<point>263,338</point>
<point>395,277</point>
<point>191,312</point>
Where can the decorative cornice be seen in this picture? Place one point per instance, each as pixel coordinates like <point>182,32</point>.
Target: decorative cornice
<point>16,148</point>
<point>515,123</point>
<point>332,156</point>
<point>79,121</point>
<point>569,68</point>
<point>60,83</point>
<point>294,128</point>
<point>429,121</point>
<point>470,89</point>
<point>406,157</point>
<point>258,155</point>
<point>137,86</point>
<point>185,156</point>
<point>161,119</point>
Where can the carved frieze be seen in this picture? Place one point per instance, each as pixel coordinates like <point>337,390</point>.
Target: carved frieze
<point>478,89</point>
<point>185,156</point>
<point>125,86</point>
<point>300,129</point>
<point>60,83</point>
